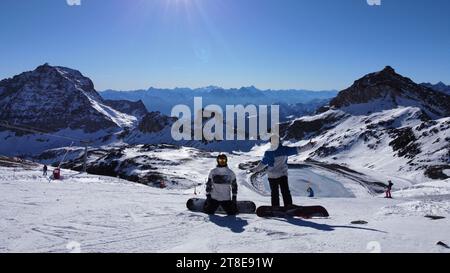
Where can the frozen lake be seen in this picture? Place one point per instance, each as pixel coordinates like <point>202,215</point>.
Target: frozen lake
<point>303,176</point>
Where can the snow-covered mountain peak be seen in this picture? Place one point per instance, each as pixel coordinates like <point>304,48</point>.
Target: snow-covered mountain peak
<point>53,98</point>
<point>385,90</point>
<point>49,74</point>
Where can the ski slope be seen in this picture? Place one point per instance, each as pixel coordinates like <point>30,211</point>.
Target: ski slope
<point>89,213</point>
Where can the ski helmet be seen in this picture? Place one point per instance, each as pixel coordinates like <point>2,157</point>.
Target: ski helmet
<point>222,160</point>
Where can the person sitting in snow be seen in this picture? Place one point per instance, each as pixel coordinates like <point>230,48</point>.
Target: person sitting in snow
<point>221,188</point>
<point>389,188</point>
<point>276,160</point>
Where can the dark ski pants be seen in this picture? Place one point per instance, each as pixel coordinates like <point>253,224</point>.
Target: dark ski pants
<point>388,194</point>
<point>275,185</point>
<point>228,206</point>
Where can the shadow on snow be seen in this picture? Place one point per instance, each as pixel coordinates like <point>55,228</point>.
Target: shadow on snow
<point>322,227</point>
<point>234,223</point>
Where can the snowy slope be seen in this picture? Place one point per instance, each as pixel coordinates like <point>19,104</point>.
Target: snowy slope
<point>395,142</point>
<point>88,213</point>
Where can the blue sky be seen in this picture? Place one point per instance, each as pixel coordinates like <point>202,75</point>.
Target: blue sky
<point>278,44</point>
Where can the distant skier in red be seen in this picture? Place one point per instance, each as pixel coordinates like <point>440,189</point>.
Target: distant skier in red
<point>389,188</point>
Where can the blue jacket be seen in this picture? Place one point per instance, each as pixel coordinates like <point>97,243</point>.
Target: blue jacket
<point>277,161</point>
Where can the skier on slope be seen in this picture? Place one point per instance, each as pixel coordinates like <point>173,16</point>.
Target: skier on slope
<point>221,188</point>
<point>44,170</point>
<point>276,160</point>
<point>389,188</point>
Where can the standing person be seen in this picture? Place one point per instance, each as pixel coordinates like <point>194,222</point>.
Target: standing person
<point>221,188</point>
<point>44,170</point>
<point>310,192</point>
<point>389,188</point>
<point>276,160</point>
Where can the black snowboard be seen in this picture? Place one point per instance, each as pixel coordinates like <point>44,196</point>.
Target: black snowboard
<point>295,211</point>
<point>197,204</point>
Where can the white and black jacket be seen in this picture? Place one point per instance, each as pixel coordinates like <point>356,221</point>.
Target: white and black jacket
<point>221,184</point>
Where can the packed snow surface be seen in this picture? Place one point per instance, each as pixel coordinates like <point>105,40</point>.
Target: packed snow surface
<point>89,213</point>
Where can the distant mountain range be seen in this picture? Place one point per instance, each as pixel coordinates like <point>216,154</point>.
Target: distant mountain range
<point>440,86</point>
<point>292,102</point>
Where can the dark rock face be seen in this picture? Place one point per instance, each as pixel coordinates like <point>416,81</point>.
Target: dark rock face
<point>437,172</point>
<point>53,98</point>
<point>404,142</point>
<point>154,122</point>
<point>136,109</point>
<point>395,90</point>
